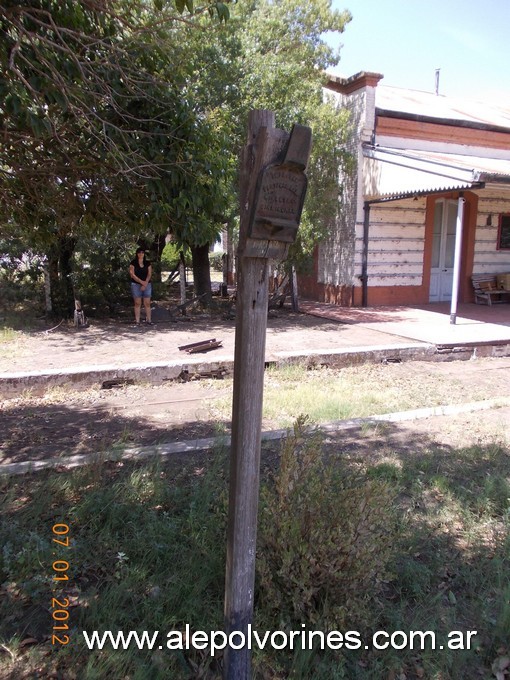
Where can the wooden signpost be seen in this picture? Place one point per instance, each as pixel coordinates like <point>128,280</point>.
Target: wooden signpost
<point>272,192</point>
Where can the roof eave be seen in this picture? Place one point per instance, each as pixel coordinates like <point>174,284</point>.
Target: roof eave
<point>420,118</point>
<point>400,196</point>
<point>491,178</point>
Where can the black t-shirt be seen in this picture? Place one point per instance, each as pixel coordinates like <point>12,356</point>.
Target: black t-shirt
<point>143,271</point>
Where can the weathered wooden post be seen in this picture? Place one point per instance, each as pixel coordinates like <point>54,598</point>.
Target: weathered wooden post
<point>272,192</point>
<point>182,277</point>
<point>293,289</point>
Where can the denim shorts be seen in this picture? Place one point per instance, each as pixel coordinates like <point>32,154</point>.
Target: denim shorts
<point>137,292</point>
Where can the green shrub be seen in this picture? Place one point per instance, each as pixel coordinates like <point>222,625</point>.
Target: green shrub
<point>216,261</point>
<point>325,540</point>
<point>21,277</point>
<point>101,273</point>
<point>171,255</point>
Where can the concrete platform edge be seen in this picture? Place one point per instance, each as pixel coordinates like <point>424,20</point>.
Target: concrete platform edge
<point>199,445</point>
<point>12,384</point>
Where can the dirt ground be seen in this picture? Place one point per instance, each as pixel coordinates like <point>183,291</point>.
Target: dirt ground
<point>65,423</point>
<point>94,420</point>
<point>118,342</point>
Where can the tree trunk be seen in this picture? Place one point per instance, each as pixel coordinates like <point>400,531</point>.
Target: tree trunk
<point>53,286</point>
<point>60,271</point>
<point>293,289</point>
<point>201,273</point>
<point>67,246</point>
<point>231,253</point>
<point>182,277</point>
<point>47,290</point>
<point>156,250</point>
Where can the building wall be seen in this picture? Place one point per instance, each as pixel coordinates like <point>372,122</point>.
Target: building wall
<point>399,247</point>
<point>335,255</point>
<point>493,200</point>
<point>395,253</point>
<point>396,243</point>
<point>400,231</point>
<point>398,260</point>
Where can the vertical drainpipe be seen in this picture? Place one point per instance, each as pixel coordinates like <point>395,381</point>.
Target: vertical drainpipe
<point>456,259</point>
<point>364,257</point>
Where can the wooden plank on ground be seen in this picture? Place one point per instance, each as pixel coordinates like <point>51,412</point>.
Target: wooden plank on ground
<point>201,346</point>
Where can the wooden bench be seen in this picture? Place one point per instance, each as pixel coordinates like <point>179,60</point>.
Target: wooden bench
<point>486,289</point>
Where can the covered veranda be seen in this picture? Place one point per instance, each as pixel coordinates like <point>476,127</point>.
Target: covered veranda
<point>475,324</point>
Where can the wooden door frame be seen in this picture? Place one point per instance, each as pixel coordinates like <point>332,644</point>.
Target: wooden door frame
<point>468,241</point>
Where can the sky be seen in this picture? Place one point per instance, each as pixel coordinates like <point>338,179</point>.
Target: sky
<point>408,40</point>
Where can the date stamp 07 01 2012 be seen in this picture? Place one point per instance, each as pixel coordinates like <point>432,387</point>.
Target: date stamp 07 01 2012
<point>60,604</point>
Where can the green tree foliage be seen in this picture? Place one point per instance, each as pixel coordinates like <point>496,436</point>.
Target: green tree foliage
<point>94,122</point>
<point>132,114</point>
<point>286,58</point>
<point>273,55</point>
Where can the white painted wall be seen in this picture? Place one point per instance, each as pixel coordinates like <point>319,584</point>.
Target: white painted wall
<point>493,200</point>
<point>336,255</point>
<point>396,243</point>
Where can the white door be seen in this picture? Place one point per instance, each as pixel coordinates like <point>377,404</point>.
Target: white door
<point>443,250</point>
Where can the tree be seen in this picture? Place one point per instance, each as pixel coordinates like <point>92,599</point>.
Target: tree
<point>287,59</point>
<point>93,120</point>
<point>272,54</point>
<point>206,198</point>
<point>134,113</point>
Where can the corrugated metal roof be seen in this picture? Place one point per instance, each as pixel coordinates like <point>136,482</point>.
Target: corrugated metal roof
<point>481,167</point>
<point>391,173</point>
<point>429,105</point>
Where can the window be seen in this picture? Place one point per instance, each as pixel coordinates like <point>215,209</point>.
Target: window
<point>504,232</point>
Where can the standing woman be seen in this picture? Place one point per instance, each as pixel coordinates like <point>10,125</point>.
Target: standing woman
<point>140,271</point>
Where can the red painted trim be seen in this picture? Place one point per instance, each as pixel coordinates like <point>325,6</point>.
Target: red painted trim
<point>310,289</point>
<point>392,295</point>
<point>410,129</point>
<point>354,83</point>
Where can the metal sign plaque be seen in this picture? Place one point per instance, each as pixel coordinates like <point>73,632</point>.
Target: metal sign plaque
<point>280,197</point>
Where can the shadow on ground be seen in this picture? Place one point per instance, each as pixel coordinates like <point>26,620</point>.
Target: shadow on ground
<point>40,432</point>
<point>449,572</point>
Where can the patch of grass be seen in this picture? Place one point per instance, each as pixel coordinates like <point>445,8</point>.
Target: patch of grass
<point>125,438</point>
<point>11,342</point>
<point>387,472</point>
<point>13,332</point>
<point>326,394</point>
<point>454,565</point>
<point>20,317</point>
<point>8,335</point>
<point>148,553</point>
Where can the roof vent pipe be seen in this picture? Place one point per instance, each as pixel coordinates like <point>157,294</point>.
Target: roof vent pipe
<point>437,80</point>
